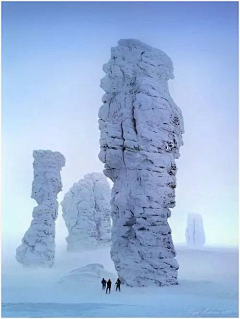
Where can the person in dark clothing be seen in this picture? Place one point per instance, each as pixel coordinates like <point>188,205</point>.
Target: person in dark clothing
<point>103,283</point>
<point>118,284</point>
<point>109,284</point>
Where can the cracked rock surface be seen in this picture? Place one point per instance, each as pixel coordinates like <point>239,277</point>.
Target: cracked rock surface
<point>38,244</point>
<point>87,212</point>
<point>141,133</point>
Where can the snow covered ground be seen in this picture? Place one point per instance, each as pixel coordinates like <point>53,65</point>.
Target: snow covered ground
<point>208,287</point>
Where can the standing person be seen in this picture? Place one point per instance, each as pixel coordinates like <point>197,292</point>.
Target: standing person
<point>103,283</point>
<point>118,284</point>
<point>109,284</point>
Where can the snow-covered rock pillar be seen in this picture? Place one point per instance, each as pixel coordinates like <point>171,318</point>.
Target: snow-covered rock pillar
<point>87,213</point>
<point>141,133</point>
<point>102,197</point>
<point>195,235</point>
<point>38,244</point>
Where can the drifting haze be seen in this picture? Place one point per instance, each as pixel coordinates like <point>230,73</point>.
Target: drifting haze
<point>52,57</point>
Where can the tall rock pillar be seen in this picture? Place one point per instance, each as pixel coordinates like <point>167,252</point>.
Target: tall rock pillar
<point>141,133</point>
<point>86,211</point>
<point>38,244</point>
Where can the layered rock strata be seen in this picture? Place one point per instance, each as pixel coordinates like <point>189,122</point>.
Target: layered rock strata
<point>141,133</point>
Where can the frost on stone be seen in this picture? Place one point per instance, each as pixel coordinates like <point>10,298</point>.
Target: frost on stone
<point>38,244</point>
<point>141,133</point>
<point>87,212</point>
<point>89,275</point>
<point>195,235</point>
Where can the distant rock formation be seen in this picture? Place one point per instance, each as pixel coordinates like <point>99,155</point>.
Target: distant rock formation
<point>141,133</point>
<point>86,211</point>
<point>38,244</point>
<point>195,235</point>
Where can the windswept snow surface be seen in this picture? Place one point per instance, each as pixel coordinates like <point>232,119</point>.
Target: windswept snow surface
<point>208,287</point>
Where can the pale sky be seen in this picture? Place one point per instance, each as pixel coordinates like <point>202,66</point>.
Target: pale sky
<point>52,57</point>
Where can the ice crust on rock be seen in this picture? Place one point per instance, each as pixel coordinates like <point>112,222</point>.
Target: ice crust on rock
<point>87,212</point>
<point>89,274</point>
<point>38,244</point>
<point>195,235</point>
<point>141,133</point>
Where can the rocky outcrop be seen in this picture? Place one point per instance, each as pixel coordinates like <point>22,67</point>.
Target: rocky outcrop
<point>141,133</point>
<point>86,211</point>
<point>87,275</point>
<point>38,244</point>
<point>195,235</point>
